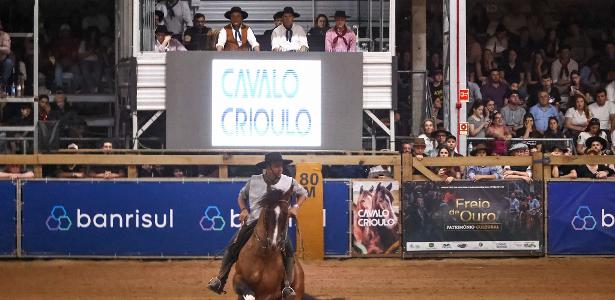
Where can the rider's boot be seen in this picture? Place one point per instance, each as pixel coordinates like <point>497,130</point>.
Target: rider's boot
<point>289,264</point>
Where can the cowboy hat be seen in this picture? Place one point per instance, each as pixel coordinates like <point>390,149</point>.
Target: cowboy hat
<point>419,142</point>
<point>589,141</point>
<point>478,148</point>
<point>290,10</point>
<point>341,14</point>
<point>273,157</point>
<point>244,14</point>
<point>518,146</point>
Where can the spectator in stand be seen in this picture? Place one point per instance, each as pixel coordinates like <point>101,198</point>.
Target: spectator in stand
<point>495,89</point>
<point>543,111</point>
<point>151,171</point>
<point>165,42</point>
<point>551,45</point>
<point>484,66</point>
<point>561,69</point>
<point>475,94</point>
<point>529,131</point>
<point>554,132</point>
<point>482,173</point>
<point>107,172</point>
<point>477,121</point>
<point>603,110</point>
<point>447,173</point>
<point>25,118</point>
<point>580,45</point>
<point>594,171</point>
<point>65,57</point>
<point>265,43</point>
<point>440,137</point>
<point>44,108</point>
<point>340,38</point>
<point>592,130</point>
<point>590,74</point>
<point>436,86</point>
<point>501,134</point>
<point>158,18</point>
<point>71,124</point>
<point>577,115</point>
<point>577,87</point>
<point>489,108</point>
<point>89,59</point>
<point>6,63</point>
<point>499,42</point>
<point>513,112</point>
<point>518,172</point>
<point>418,148</point>
<point>607,64</point>
<point>536,72</point>
<point>428,129</point>
<point>596,143</point>
<point>289,36</point>
<point>94,17</point>
<point>177,16</point>
<point>565,171</point>
<point>406,147</point>
<point>553,93</point>
<point>237,36</point>
<point>316,35</point>
<point>438,112</point>
<point>14,171</point>
<point>71,171</point>
<point>199,36</point>
<point>513,68</point>
<point>451,144</point>
<point>435,64</point>
<point>610,91</point>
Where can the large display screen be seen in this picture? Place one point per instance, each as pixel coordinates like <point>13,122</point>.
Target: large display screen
<point>266,103</point>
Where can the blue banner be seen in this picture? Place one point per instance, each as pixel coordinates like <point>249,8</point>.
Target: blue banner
<point>337,204</point>
<point>133,218</point>
<point>8,215</point>
<point>581,218</point>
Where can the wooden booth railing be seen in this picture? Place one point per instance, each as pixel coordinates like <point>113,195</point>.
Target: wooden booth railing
<point>132,159</point>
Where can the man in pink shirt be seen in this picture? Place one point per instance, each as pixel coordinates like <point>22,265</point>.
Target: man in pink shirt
<point>340,38</point>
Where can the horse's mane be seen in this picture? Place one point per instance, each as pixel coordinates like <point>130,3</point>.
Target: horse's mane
<point>271,198</point>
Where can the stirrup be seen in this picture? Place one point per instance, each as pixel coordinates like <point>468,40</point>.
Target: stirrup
<point>216,285</point>
<point>288,291</point>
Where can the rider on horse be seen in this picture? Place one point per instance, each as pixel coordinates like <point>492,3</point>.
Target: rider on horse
<point>248,200</point>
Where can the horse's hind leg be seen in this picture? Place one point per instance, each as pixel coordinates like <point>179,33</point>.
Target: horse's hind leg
<point>242,289</point>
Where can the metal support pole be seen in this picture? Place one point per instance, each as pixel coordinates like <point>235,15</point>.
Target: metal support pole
<point>369,26</point>
<point>381,33</point>
<point>18,204</point>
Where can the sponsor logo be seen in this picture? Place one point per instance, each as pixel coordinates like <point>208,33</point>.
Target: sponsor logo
<point>58,220</point>
<point>501,245</point>
<point>212,219</point>
<point>462,245</point>
<point>446,246</point>
<point>480,244</point>
<point>431,245</point>
<point>583,221</point>
<point>530,245</point>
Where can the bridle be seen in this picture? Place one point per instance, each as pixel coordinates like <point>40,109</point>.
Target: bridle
<point>265,243</point>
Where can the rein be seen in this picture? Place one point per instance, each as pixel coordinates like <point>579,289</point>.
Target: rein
<point>264,243</point>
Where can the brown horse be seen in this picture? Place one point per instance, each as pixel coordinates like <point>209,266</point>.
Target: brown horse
<point>375,224</point>
<point>259,272</point>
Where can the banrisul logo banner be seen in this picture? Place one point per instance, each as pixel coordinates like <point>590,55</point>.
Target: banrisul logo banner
<point>581,218</point>
<point>266,103</point>
<point>100,218</point>
<point>128,218</point>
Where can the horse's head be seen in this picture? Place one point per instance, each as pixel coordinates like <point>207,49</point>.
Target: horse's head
<point>274,218</point>
<point>364,201</point>
<point>383,201</point>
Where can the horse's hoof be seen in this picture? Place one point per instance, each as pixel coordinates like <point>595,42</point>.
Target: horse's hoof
<point>216,286</point>
<point>288,293</point>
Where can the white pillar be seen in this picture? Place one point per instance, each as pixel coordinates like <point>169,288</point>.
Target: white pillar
<point>457,70</point>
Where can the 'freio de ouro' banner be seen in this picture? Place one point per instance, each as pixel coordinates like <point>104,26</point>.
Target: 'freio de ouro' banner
<point>266,102</point>
<point>581,218</point>
<point>472,216</point>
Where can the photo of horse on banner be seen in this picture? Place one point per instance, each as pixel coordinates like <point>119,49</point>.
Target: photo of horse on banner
<point>375,217</point>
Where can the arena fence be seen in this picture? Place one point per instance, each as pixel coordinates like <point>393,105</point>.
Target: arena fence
<point>413,214</point>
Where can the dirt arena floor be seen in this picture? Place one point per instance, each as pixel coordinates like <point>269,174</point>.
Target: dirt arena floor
<point>527,278</point>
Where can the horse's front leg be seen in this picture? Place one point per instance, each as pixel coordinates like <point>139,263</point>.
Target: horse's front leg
<point>243,289</point>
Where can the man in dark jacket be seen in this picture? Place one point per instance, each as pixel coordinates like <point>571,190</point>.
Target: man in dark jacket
<point>198,37</point>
